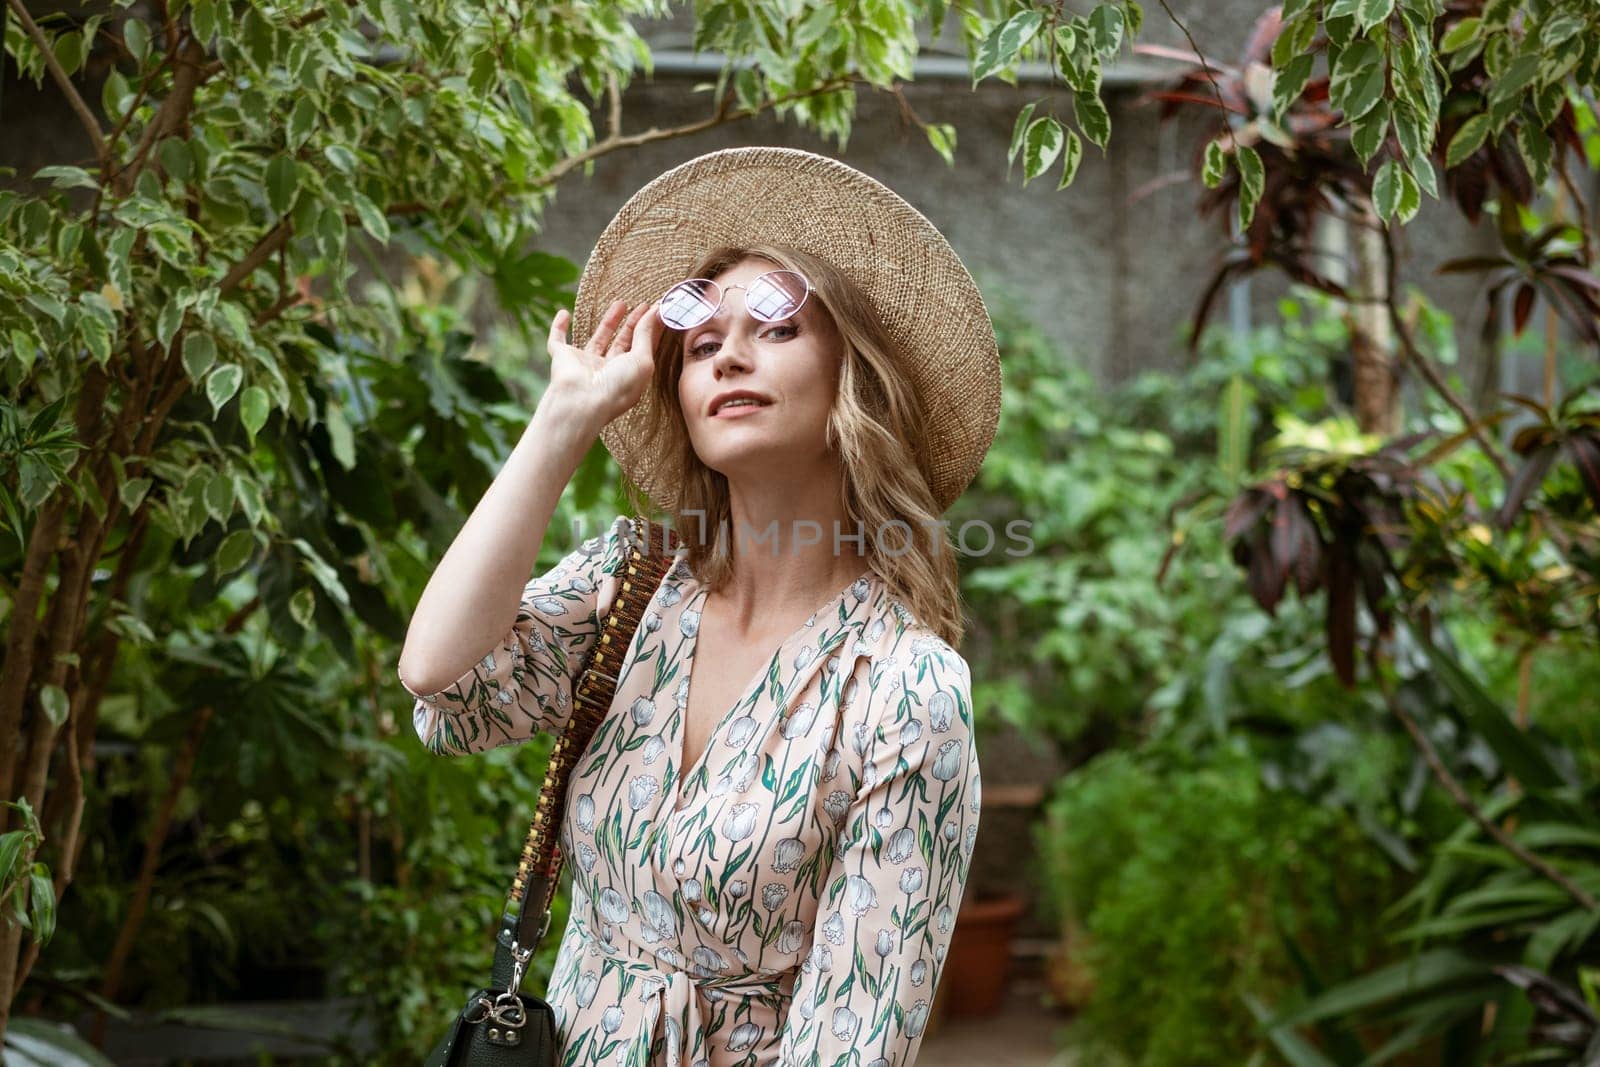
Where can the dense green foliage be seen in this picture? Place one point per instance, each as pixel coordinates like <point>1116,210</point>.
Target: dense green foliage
<point>1098,473</point>
<point>1247,846</point>
<point>1195,886</point>
<point>228,471</point>
<point>318,849</point>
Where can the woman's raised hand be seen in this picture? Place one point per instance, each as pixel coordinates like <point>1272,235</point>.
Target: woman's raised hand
<point>609,374</point>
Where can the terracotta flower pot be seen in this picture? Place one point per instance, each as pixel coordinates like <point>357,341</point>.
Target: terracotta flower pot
<point>978,964</point>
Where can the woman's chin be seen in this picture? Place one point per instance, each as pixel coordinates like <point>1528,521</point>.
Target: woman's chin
<point>756,459</point>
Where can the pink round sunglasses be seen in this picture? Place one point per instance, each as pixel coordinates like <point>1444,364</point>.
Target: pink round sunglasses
<point>772,296</point>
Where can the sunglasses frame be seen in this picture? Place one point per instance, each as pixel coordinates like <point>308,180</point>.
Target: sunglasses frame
<point>722,296</point>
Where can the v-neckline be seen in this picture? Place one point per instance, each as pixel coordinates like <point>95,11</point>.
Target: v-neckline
<point>696,601</point>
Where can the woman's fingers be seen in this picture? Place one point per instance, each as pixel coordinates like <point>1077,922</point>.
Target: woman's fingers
<point>624,339</point>
<point>558,330</point>
<point>606,330</point>
<point>647,331</point>
<point>616,332</point>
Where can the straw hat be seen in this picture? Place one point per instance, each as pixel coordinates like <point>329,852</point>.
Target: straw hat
<point>924,295</point>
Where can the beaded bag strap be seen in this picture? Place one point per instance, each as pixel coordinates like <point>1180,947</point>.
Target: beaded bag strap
<point>522,927</point>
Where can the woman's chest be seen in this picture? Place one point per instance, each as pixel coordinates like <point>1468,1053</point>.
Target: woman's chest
<point>717,763</point>
<point>718,683</point>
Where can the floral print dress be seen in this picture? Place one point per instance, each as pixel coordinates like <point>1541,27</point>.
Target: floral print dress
<point>790,897</point>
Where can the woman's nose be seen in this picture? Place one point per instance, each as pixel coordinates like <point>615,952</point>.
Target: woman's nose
<point>732,354</point>
<point>734,351</point>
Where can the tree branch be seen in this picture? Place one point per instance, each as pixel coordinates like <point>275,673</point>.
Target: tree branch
<point>1475,813</point>
<point>283,303</point>
<point>85,696</point>
<point>616,143</point>
<point>1581,210</point>
<point>173,112</point>
<point>147,868</point>
<point>90,124</point>
<point>1205,65</point>
<point>144,90</point>
<point>1425,366</point>
<point>43,543</point>
<point>1431,374</point>
<point>614,104</point>
<point>103,654</point>
<point>74,797</point>
<point>169,25</point>
<point>258,255</point>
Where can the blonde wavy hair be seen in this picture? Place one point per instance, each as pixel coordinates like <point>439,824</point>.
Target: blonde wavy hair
<point>875,428</point>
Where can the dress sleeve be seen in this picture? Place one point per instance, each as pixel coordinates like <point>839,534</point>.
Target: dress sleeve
<point>524,684</point>
<point>888,905</point>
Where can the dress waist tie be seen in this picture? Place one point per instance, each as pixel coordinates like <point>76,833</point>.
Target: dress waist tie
<point>674,993</point>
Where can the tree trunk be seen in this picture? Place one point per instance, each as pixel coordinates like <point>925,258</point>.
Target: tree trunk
<point>1373,366</point>
<point>111,984</point>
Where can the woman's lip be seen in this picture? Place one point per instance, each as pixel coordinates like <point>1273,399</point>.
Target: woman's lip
<point>726,412</point>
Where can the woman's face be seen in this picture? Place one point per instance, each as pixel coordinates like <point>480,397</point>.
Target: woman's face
<point>792,367</point>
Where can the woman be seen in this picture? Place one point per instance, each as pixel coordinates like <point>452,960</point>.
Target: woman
<point>770,840</point>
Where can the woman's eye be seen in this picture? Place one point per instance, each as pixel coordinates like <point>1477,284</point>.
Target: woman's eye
<point>781,332</point>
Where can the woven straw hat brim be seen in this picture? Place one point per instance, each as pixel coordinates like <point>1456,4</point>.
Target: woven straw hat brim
<point>923,293</point>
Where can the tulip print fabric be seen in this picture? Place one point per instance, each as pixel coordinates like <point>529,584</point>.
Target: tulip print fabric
<point>787,899</point>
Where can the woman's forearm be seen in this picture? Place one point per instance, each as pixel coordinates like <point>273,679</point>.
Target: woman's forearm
<point>472,598</point>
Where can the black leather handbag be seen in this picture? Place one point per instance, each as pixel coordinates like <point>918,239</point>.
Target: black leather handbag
<point>502,1025</point>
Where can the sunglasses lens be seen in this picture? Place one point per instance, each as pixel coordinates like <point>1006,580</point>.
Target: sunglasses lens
<point>690,303</point>
<point>776,295</point>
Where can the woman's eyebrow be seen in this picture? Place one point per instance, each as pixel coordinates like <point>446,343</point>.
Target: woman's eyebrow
<point>696,332</point>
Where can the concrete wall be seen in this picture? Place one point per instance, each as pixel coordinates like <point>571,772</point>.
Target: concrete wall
<point>1111,268</point>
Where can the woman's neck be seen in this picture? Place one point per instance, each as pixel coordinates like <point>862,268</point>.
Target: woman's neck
<point>792,547</point>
